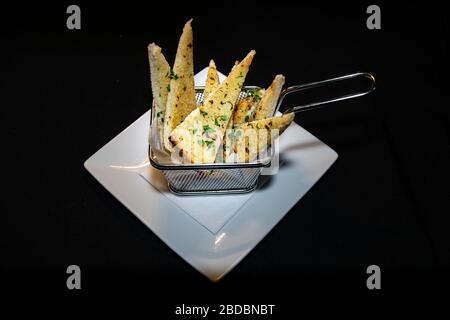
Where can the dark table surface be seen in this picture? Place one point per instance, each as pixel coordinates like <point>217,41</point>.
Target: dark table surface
<point>385,201</point>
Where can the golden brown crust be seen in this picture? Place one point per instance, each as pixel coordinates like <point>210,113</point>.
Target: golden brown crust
<point>159,75</point>
<point>212,80</point>
<point>268,103</point>
<point>181,96</point>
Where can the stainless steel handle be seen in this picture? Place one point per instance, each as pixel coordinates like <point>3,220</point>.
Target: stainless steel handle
<point>317,104</point>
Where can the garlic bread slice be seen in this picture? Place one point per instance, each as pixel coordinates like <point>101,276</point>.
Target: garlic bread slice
<point>253,138</point>
<point>159,76</point>
<point>246,108</point>
<point>212,80</point>
<point>268,103</point>
<point>243,112</point>
<point>181,91</point>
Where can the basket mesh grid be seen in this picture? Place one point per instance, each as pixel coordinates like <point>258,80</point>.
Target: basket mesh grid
<point>212,180</point>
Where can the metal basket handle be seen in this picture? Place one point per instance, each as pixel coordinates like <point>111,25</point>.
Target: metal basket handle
<point>318,104</point>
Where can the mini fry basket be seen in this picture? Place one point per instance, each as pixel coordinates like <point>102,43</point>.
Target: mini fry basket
<point>231,177</point>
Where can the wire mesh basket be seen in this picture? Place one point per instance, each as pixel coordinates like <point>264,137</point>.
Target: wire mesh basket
<point>230,177</point>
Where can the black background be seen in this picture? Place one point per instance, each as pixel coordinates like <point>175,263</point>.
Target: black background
<point>385,201</point>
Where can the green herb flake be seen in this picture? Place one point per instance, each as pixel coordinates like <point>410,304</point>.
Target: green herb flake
<point>208,143</point>
<point>173,75</point>
<point>207,128</point>
<point>221,118</point>
<point>253,93</point>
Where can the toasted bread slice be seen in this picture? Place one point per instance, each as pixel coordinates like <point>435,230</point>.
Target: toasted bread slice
<point>245,109</point>
<point>181,96</point>
<point>213,116</point>
<point>243,112</point>
<point>159,76</point>
<point>212,80</point>
<point>266,107</point>
<point>253,138</point>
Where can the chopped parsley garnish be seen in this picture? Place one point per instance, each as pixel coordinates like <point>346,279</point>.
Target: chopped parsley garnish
<point>254,93</point>
<point>204,113</point>
<point>172,75</point>
<point>208,143</point>
<point>207,128</point>
<point>247,117</point>
<point>168,88</point>
<point>221,118</point>
<point>159,114</point>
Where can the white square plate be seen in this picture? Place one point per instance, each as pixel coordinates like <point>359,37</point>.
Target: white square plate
<point>213,241</point>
